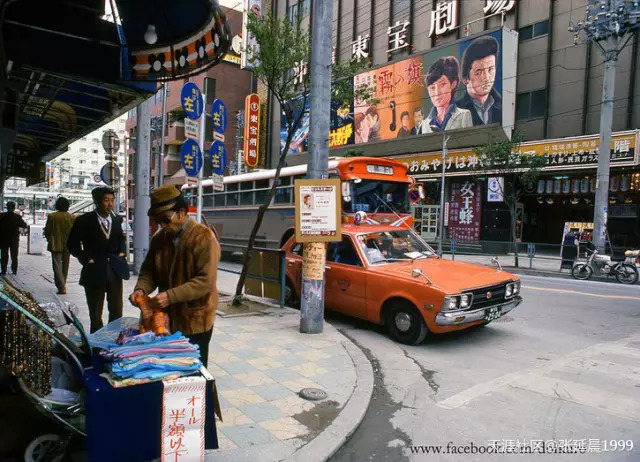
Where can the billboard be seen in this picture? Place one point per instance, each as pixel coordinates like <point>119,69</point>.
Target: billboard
<point>469,83</point>
<point>451,87</point>
<point>250,46</point>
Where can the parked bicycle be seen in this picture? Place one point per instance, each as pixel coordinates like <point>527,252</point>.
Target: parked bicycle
<point>625,273</point>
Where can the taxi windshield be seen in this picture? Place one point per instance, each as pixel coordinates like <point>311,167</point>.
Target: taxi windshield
<point>374,196</point>
<point>393,246</point>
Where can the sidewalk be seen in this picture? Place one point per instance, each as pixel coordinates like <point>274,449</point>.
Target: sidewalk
<point>540,266</point>
<point>261,363</point>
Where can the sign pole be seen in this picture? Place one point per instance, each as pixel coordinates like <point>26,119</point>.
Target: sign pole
<point>313,285</point>
<point>203,124</point>
<point>444,158</point>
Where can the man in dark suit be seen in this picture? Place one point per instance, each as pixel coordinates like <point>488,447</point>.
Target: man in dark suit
<point>10,225</point>
<point>97,241</point>
<point>479,66</point>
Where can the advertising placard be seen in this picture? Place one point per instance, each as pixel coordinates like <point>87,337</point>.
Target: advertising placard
<point>251,129</point>
<point>465,210</point>
<point>318,210</point>
<point>250,46</point>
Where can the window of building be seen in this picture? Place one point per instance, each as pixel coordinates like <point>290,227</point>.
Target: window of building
<point>531,105</point>
<point>95,151</point>
<point>299,9</point>
<point>83,162</point>
<point>533,31</point>
<point>95,140</point>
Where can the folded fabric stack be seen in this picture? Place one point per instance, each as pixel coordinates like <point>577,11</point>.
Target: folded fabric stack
<point>148,357</point>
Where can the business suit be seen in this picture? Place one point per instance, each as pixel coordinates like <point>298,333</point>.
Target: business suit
<point>10,225</point>
<point>460,118</point>
<point>495,113</point>
<point>90,241</point>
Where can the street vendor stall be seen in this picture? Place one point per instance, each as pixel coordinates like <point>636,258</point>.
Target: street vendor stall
<point>135,397</point>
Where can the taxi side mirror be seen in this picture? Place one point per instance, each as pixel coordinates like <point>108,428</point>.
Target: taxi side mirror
<point>416,272</point>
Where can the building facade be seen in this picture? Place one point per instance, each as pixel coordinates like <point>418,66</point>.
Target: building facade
<point>542,85</point>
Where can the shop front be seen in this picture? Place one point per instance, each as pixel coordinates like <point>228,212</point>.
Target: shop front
<point>564,192</point>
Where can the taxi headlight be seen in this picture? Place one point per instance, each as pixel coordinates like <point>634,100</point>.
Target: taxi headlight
<point>451,302</point>
<point>465,300</point>
<point>509,290</point>
<point>516,287</point>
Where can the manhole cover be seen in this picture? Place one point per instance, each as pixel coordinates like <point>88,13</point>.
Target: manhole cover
<point>313,394</point>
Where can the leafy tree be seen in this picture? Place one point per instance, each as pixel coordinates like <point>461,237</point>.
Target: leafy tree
<point>503,158</point>
<point>284,46</point>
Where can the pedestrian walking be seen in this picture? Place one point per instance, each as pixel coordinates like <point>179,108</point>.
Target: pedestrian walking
<point>10,224</point>
<point>182,263</point>
<point>57,231</point>
<point>97,241</point>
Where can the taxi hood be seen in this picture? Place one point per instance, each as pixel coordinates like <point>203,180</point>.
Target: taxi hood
<point>451,276</point>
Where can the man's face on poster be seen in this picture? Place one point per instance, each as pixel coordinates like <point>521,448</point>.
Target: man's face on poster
<point>405,121</point>
<point>440,92</point>
<point>482,76</point>
<point>417,118</point>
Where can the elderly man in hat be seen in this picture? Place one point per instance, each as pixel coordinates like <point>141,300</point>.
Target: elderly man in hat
<point>98,242</point>
<point>182,263</point>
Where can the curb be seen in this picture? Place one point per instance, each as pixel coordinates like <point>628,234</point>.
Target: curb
<point>329,441</point>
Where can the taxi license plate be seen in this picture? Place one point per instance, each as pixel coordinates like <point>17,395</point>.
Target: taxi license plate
<point>492,313</point>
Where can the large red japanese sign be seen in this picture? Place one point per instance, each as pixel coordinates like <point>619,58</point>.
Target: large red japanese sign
<point>251,129</point>
<point>465,209</point>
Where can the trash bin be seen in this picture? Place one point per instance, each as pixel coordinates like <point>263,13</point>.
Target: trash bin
<point>36,242</point>
<point>569,251</point>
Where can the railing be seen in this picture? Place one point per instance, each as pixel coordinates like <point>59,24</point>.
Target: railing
<point>260,266</point>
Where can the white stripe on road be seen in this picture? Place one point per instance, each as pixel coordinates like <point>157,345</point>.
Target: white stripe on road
<point>565,281</point>
<point>588,294</point>
<point>618,347</point>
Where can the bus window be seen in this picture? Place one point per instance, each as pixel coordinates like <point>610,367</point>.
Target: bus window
<point>232,195</point>
<point>283,193</point>
<point>246,197</point>
<point>262,190</point>
<point>207,196</point>
<point>218,199</point>
<point>378,196</point>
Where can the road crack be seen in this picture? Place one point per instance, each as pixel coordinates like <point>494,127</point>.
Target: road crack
<point>426,373</point>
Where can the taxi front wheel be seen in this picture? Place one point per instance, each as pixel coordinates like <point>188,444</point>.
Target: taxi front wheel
<point>405,324</point>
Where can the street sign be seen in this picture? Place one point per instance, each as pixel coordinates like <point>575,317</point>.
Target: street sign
<point>106,174</point>
<point>97,178</point>
<point>218,136</point>
<point>218,155</point>
<point>191,157</point>
<point>190,128</point>
<point>219,116</point>
<point>251,129</point>
<point>110,141</point>
<point>218,182</point>
<point>191,100</point>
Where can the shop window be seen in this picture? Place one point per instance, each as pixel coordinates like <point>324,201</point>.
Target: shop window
<point>533,31</point>
<point>531,105</point>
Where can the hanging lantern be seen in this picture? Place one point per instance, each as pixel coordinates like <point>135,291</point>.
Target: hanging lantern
<point>584,185</point>
<point>540,200</point>
<point>624,183</point>
<point>549,200</point>
<point>628,200</point>
<point>557,186</point>
<point>575,185</point>
<point>614,185</point>
<point>612,200</point>
<point>540,186</point>
<point>594,181</point>
<point>549,187</point>
<point>574,201</point>
<point>566,186</point>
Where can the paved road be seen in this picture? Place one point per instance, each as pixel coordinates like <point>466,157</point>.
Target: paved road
<point>565,365</point>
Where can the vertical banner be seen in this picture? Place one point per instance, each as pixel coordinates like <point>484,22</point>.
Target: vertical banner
<point>465,211</point>
<point>183,415</point>
<point>250,46</point>
<point>251,129</point>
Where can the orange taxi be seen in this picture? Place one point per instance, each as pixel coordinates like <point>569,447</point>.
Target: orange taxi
<point>389,275</point>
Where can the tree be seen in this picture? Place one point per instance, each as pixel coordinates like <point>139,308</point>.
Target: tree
<point>504,159</point>
<point>283,52</point>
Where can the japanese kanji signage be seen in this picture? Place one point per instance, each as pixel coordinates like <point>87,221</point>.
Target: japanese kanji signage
<point>498,6</point>
<point>191,157</point>
<point>360,48</point>
<point>251,129</point>
<point>300,71</point>
<point>444,18</point>
<point>191,128</point>
<point>219,116</point>
<point>183,419</point>
<point>465,209</point>
<point>250,47</point>
<point>559,154</point>
<point>22,164</point>
<point>398,36</point>
<point>218,156</point>
<point>191,100</point>
<point>318,210</point>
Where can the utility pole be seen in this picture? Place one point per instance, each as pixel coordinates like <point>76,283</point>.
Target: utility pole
<point>142,176</point>
<point>312,307</point>
<point>445,138</point>
<point>162,134</point>
<point>606,23</point>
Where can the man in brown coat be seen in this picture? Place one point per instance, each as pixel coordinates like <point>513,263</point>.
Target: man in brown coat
<point>182,263</point>
<point>57,231</point>
<point>10,225</point>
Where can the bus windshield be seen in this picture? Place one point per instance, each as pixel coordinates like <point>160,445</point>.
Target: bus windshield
<point>378,196</point>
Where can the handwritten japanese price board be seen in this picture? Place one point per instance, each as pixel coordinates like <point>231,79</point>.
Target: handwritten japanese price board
<point>251,129</point>
<point>465,211</point>
<point>318,205</point>
<point>191,157</point>
<point>183,416</point>
<point>191,100</point>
